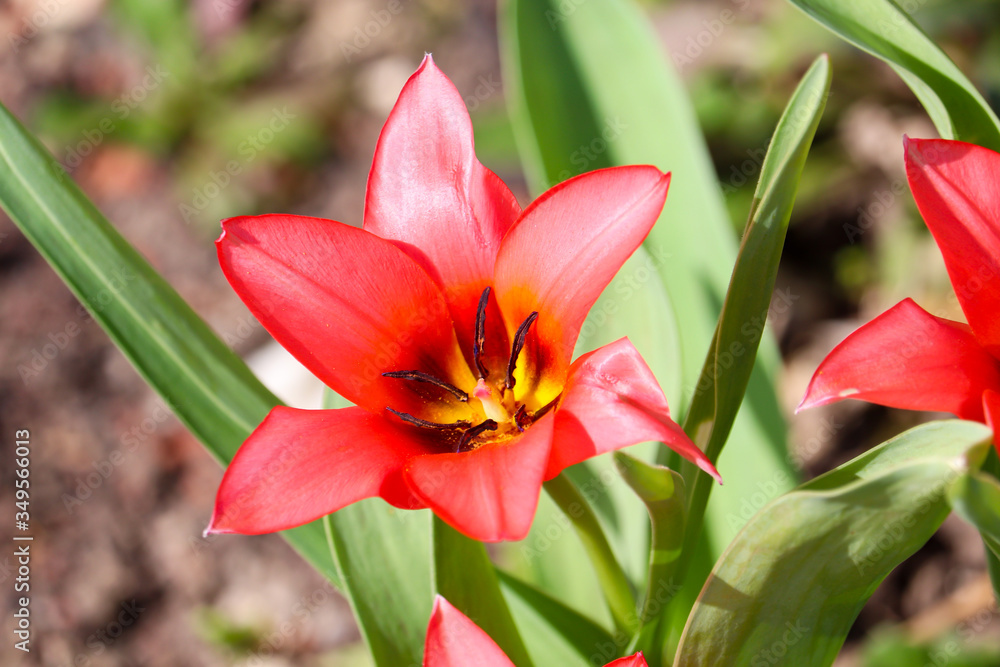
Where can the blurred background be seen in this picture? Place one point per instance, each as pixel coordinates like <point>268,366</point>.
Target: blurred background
<point>172,115</point>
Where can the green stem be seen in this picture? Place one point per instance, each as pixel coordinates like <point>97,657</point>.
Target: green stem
<point>614,583</point>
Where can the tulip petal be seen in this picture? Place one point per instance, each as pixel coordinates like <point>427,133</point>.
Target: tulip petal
<point>631,661</point>
<point>490,493</point>
<point>908,358</point>
<point>428,193</point>
<point>348,305</point>
<point>612,400</point>
<point>453,640</point>
<point>300,465</point>
<point>565,249</point>
<point>956,189</point>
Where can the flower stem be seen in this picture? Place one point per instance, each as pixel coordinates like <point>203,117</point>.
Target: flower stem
<point>617,591</point>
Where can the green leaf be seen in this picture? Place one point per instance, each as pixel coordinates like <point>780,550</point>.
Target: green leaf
<point>884,29</point>
<point>464,575</point>
<point>206,385</point>
<point>730,360</point>
<point>383,558</point>
<point>793,581</point>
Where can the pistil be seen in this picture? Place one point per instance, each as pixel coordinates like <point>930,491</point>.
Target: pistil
<point>492,408</point>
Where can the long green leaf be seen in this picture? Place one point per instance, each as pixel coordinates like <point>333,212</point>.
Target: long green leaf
<point>730,361</point>
<point>207,386</point>
<point>793,581</point>
<point>884,29</point>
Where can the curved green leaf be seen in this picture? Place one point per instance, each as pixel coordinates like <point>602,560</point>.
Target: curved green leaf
<point>884,29</point>
<point>730,361</point>
<point>793,581</point>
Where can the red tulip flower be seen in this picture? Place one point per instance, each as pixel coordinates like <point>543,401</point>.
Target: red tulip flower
<point>449,321</point>
<point>455,641</point>
<point>908,358</point>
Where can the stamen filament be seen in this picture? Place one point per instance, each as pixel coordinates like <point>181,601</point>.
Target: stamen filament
<point>488,425</point>
<point>480,341</point>
<point>416,421</point>
<point>515,351</point>
<point>420,376</point>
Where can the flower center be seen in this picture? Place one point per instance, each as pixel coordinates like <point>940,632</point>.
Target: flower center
<point>491,405</point>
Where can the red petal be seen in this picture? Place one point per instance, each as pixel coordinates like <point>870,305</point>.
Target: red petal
<point>566,248</point>
<point>429,193</point>
<point>490,493</point>
<point>347,304</point>
<point>908,358</point>
<point>956,189</point>
<point>299,465</point>
<point>455,641</point>
<point>632,661</point>
<point>612,400</point>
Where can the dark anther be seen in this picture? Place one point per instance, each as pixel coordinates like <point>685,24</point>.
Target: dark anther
<point>521,419</point>
<point>420,376</point>
<point>477,345</point>
<point>410,419</point>
<point>488,425</point>
<point>522,332</point>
